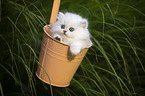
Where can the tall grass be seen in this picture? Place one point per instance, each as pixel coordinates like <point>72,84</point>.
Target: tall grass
<point>114,66</point>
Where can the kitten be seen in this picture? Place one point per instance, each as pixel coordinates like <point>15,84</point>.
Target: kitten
<point>72,29</point>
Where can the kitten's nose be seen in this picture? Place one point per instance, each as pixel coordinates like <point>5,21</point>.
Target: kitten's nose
<point>64,31</point>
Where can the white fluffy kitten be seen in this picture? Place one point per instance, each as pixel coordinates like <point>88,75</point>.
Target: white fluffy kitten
<point>72,29</point>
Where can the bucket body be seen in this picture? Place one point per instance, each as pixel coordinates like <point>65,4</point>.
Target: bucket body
<point>57,67</point>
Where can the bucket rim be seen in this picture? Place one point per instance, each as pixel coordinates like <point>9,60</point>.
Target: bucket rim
<point>44,28</point>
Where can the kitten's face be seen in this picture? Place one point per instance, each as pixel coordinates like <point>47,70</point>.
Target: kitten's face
<point>69,24</point>
<point>68,31</point>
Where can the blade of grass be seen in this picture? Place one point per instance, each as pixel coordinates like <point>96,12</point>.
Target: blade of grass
<point>16,28</point>
<point>103,22</point>
<point>111,12</point>
<point>80,86</point>
<point>1,89</point>
<point>74,94</point>
<point>134,9</point>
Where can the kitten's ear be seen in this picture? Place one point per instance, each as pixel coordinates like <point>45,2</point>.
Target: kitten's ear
<point>84,23</point>
<point>60,14</point>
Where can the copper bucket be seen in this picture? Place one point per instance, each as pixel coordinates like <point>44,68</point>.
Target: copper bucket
<point>57,65</point>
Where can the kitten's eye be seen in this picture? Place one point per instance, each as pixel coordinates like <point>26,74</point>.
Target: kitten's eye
<point>62,26</point>
<point>71,29</point>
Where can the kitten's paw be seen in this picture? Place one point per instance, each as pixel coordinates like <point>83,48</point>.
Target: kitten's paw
<point>75,50</point>
<point>57,37</point>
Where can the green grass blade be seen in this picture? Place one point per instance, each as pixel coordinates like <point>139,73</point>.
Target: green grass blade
<point>80,86</point>
<point>1,89</point>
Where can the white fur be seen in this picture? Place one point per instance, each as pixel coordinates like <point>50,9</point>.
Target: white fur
<point>79,38</point>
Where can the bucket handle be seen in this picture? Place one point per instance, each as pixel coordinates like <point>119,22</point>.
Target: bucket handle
<point>55,8</point>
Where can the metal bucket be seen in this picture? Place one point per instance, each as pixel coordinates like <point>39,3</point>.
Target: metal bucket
<point>57,66</point>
